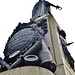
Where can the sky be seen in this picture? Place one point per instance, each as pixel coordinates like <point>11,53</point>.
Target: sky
<point>14,11</point>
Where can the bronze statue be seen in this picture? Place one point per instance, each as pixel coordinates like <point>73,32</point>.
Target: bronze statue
<point>42,7</point>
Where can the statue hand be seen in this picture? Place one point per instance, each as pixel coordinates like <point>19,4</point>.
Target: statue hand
<point>58,7</point>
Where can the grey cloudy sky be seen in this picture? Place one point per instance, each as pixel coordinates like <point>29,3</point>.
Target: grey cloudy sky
<point>14,11</point>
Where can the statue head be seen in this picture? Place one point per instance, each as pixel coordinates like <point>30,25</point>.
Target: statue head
<point>41,0</point>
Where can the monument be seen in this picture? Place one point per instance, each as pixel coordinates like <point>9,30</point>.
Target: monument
<point>38,47</point>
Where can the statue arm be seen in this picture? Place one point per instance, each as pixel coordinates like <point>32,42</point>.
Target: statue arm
<point>57,7</point>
